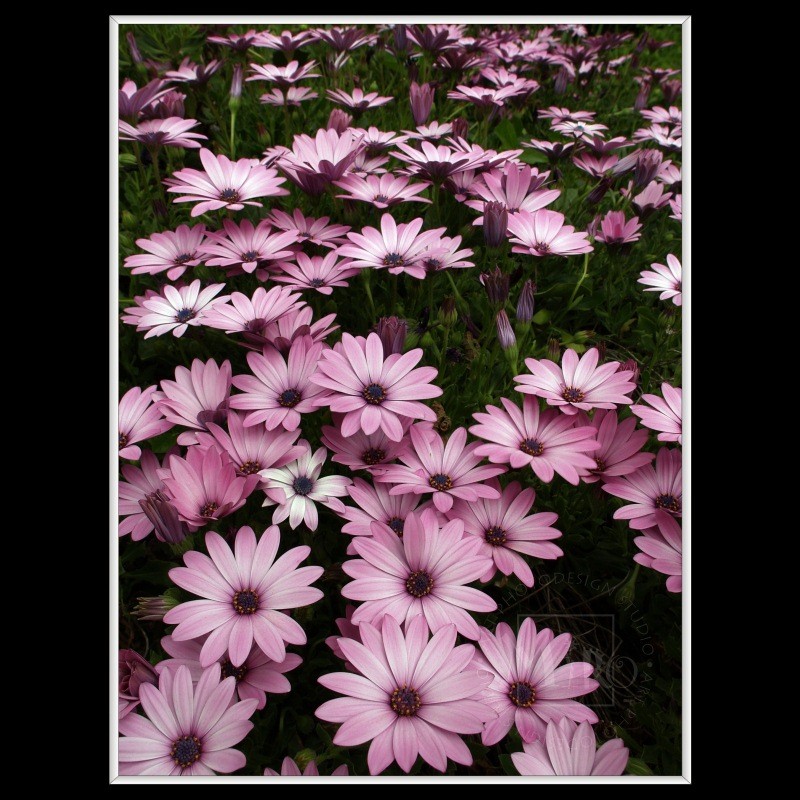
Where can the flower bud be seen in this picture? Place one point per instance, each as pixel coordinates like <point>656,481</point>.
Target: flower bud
<point>495,224</point>
<point>152,609</point>
<point>460,128</point>
<point>525,304</point>
<point>392,332</point>
<point>599,191</point>
<point>447,312</point>
<point>631,366</point>
<point>236,88</point>
<point>304,758</point>
<point>134,48</point>
<point>641,99</point>
<point>496,285</point>
<point>505,333</point>
<point>339,121</point>
<point>421,98</point>
<point>562,79</point>
<point>133,672</point>
<point>648,163</point>
<point>554,350</point>
<point>671,90</point>
<point>164,516</point>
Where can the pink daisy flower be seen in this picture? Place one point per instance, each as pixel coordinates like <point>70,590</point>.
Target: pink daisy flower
<point>444,254</point>
<point>614,229</point>
<point>140,485</point>
<point>505,531</point>
<point>225,183</point>
<point>177,309</point>
<point>558,114</point>
<point>437,163</point>
<point>204,487</point>
<point>671,116</point>
<point>239,42</point>
<point>554,150</point>
<point>139,419</point>
<point>171,252</point>
<point>578,384</point>
<point>246,246</point>
<point>279,390</point>
<point>252,449</point>
<point>543,233</point>
<point>381,192</point>
<point>345,39</point>
<point>153,133</point>
<point>187,730</point>
<point>529,688</point>
<point>372,391</point>
<point>411,697</point>
<point>320,273</point>
<point>346,630</point>
<point>447,472</point>
<point>398,248</point>
<point>134,672</point>
<point>287,42</point>
<point>196,397</point>
<point>432,132</point>
<point>297,487</point>
<point>424,572</point>
<point>294,325</point>
<point>377,141</point>
<point>655,495</point>
<point>293,96</point>
<point>596,165</point>
<point>517,188</point>
<point>665,279</point>
<point>189,72</point>
<point>289,768</point>
<point>650,199</point>
<point>544,440</point>
<point>308,229</point>
<point>360,450</point>
<point>245,314</point>
<point>366,164</point>
<point>132,101</point>
<point>665,415</point>
<point>578,130</point>
<point>284,76</point>
<point>621,443</point>
<point>676,204</point>
<point>258,674</point>
<point>328,154</point>
<point>358,100</point>
<point>484,97</point>
<point>571,749</point>
<point>662,551</point>
<point>246,592</point>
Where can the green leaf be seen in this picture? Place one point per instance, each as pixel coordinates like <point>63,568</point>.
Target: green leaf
<point>637,767</point>
<point>508,765</point>
<point>540,317</point>
<point>533,157</point>
<point>127,159</point>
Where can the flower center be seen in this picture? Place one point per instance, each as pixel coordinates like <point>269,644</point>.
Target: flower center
<point>302,485</point>
<point>123,440</point>
<point>433,264</point>
<point>374,394</point>
<point>228,670</point>
<point>289,398</point>
<point>495,536</point>
<point>419,584</point>
<point>381,198</point>
<point>186,751</point>
<point>572,395</point>
<point>317,282</point>
<point>208,509</point>
<point>250,468</point>
<point>229,195</point>
<point>373,456</point>
<point>393,260</point>
<point>601,465</point>
<point>184,315</point>
<point>440,482</point>
<point>184,257</point>
<point>250,255</point>
<point>668,502</point>
<point>542,247</point>
<point>245,602</point>
<point>532,447</point>
<point>397,525</point>
<point>255,325</point>
<point>405,702</point>
<point>522,694</point>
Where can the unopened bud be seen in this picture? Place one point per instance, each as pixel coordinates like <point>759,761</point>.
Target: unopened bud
<point>236,88</point>
<point>592,227</point>
<point>164,516</point>
<point>495,224</point>
<point>421,98</point>
<point>392,332</point>
<point>599,191</point>
<point>339,121</point>
<point>460,128</point>
<point>447,312</point>
<point>505,333</point>
<point>562,79</point>
<point>152,609</point>
<point>496,285</point>
<point>631,366</point>
<point>648,163</point>
<point>641,99</point>
<point>671,90</point>
<point>304,757</point>
<point>554,350</point>
<point>602,349</point>
<point>134,48</point>
<point>525,303</point>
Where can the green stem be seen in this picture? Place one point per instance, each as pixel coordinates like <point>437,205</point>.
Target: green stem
<point>233,134</point>
<point>142,173</point>
<point>429,281</point>
<point>366,275</point>
<point>582,279</point>
<point>459,299</point>
<point>444,348</point>
<point>395,279</point>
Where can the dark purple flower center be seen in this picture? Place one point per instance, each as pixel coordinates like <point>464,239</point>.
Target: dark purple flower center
<point>532,447</point>
<point>419,584</point>
<point>123,440</point>
<point>184,257</point>
<point>250,255</point>
<point>208,509</point>
<point>668,502</point>
<point>303,485</point>
<point>373,456</point>
<point>303,234</point>
<point>184,315</point>
<point>228,670</point>
<point>186,751</point>
<point>317,282</point>
<point>255,325</point>
<point>289,398</point>
<point>393,260</point>
<point>601,465</point>
<point>495,536</point>
<point>229,195</point>
<point>250,468</point>
<point>381,198</point>
<point>152,137</point>
<point>522,694</point>
<point>440,482</point>
<point>245,602</point>
<point>374,394</point>
<point>397,525</point>
<point>405,702</point>
<point>433,264</point>
<point>572,395</point>
<point>542,247</point>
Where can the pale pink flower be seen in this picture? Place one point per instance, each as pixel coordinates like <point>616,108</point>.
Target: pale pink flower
<point>284,76</point>
<point>665,279</point>
<point>676,204</point>
<point>363,451</point>
<point>132,101</point>
<point>650,199</point>
<point>139,419</point>
<point>485,97</point>
<point>290,769</point>
<point>177,309</point>
<point>565,115</point>
<point>344,39</point>
<point>614,229</point>
<point>247,246</point>
<point>189,72</point>
<point>432,132</point>
<point>596,166</point>
<point>665,415</point>
<point>578,130</point>
<point>661,550</point>
<point>437,163</point>
<point>171,252</point>
<point>543,233</point>
<point>671,116</point>
<point>384,191</point>
<point>239,42</point>
<point>139,486</point>
<point>444,254</point>
<point>287,42</point>
<point>377,141</point>
<point>358,100</point>
<point>252,315</point>
<point>327,154</point>
<point>516,187</point>
<point>293,96</point>
<point>320,273</point>
<point>308,229</point>
<point>153,133</point>
<point>293,325</point>
<point>346,630</point>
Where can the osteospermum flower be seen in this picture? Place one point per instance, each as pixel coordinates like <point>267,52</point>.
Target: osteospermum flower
<point>239,42</point>
<point>293,96</point>
<point>662,551</point>
<point>372,391</point>
<point>620,451</point>
<point>447,472</point>
<point>571,749</point>
<point>204,486</point>
<point>171,252</point>
<point>665,414</point>
<point>358,100</point>
<point>279,390</point>
<point>397,248</point>
<point>384,191</point>
<point>554,150</point>
<point>578,384</point>
<point>664,278</point>
<point>187,730</point>
<point>295,324</point>
<point>225,183</point>
<point>676,204</point>
<point>284,76</point>
<point>177,309</point>
<point>328,154</point>
<point>411,696</point>
<point>245,314</point>
<point>655,494</point>
<point>290,768</point>
<point>529,688</point>
<point>543,233</point>
<point>134,672</point>
<point>558,114</point>
<point>258,674</point>
<point>444,254</point>
<point>139,419</point>
<point>287,42</point>
<point>360,450</point>
<point>196,397</point>
<point>544,440</point>
<point>138,486</point>
<point>169,132</point>
<point>346,630</point>
<point>132,101</point>
<point>437,163</point>
<point>247,246</point>
<point>377,141</point>
<point>517,188</point>
<point>650,199</point>
<point>432,132</point>
<point>189,72</point>
<point>484,97</point>
<point>246,592</point>
<point>308,229</point>
<point>505,531</point>
<point>614,229</point>
<point>596,165</point>
<point>320,273</point>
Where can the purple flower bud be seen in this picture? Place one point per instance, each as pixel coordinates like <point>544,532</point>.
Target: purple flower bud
<point>400,39</point>
<point>496,285</point>
<point>421,102</point>
<point>460,128</point>
<point>599,192</point>
<point>525,303</point>
<point>602,349</point>
<point>168,105</point>
<point>562,79</point>
<point>133,672</point>
<point>554,350</point>
<point>134,48</point>
<point>392,332</point>
<point>641,99</point>
<point>505,333</point>
<point>631,366</point>
<point>236,83</point>
<point>447,312</point>
<point>152,609</point>
<point>648,163</point>
<point>592,227</point>
<point>625,164</point>
<point>339,121</point>
<point>495,224</point>
<point>164,516</point>
<point>671,90</point>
